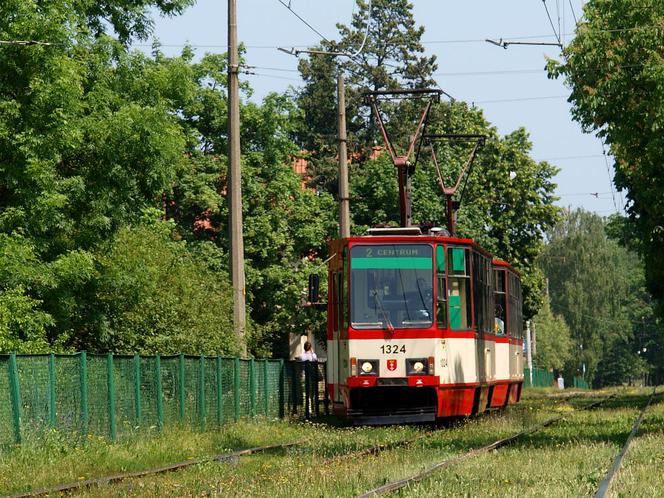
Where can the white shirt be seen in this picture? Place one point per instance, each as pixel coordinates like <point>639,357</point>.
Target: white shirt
<point>308,356</point>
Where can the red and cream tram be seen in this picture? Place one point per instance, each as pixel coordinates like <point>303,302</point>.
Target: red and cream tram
<point>421,326</point>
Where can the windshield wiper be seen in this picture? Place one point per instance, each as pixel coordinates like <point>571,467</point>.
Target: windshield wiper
<point>386,316</point>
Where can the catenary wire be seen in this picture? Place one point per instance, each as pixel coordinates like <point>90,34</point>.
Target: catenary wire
<point>608,172</point>
<point>424,42</point>
<point>553,27</point>
<point>576,21</point>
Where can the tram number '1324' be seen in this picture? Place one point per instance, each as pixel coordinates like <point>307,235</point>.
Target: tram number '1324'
<point>393,348</point>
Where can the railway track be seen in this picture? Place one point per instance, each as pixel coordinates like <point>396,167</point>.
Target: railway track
<point>113,478</point>
<point>402,483</point>
<point>222,457</point>
<point>605,485</point>
<point>234,456</point>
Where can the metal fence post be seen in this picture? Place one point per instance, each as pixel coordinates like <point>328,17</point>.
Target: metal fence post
<point>83,381</point>
<point>315,384</point>
<point>307,389</point>
<point>51,390</point>
<point>160,400</point>
<point>236,388</point>
<point>137,389</point>
<point>252,387</point>
<point>266,389</point>
<point>282,388</point>
<point>181,392</point>
<point>327,394</point>
<point>201,392</point>
<point>110,385</point>
<point>15,393</point>
<point>295,384</point>
<point>220,393</point>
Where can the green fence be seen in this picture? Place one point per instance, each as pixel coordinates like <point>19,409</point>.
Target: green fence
<point>116,395</point>
<point>544,378</point>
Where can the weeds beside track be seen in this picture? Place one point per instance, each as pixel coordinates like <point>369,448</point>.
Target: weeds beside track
<point>401,483</point>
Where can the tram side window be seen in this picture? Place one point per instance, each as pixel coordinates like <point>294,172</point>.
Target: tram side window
<point>501,301</point>
<point>513,325</point>
<point>441,291</point>
<point>459,298</point>
<point>482,292</point>
<point>519,309</point>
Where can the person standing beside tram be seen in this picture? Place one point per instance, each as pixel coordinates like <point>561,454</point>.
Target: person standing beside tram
<point>308,354</point>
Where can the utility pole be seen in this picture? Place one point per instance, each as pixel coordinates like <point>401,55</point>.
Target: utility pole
<point>344,209</point>
<point>235,182</point>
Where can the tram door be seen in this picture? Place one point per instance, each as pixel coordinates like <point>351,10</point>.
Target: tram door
<point>340,353</point>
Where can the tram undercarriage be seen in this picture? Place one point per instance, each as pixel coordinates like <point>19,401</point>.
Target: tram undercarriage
<point>385,405</point>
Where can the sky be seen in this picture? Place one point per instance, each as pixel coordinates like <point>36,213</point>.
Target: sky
<point>510,85</point>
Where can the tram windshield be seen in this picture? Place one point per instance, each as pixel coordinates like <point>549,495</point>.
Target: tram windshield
<point>391,286</point>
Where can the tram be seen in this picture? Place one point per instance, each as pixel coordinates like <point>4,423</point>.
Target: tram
<point>422,325</point>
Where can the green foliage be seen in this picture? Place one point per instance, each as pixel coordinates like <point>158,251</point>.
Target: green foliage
<point>554,341</point>
<point>614,69</point>
<point>285,227</point>
<point>22,325</point>
<point>598,287</point>
<point>154,295</point>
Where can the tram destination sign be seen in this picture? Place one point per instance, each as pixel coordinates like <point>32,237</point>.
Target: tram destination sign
<point>404,256</point>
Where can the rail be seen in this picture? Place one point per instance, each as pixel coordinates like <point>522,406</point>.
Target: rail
<point>605,485</point>
<point>402,483</point>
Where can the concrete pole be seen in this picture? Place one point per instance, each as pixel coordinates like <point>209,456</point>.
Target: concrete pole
<point>344,208</point>
<point>235,182</point>
<point>529,354</point>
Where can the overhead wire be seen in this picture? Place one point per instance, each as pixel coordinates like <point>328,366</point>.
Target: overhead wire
<point>553,27</point>
<point>288,6</point>
<point>424,42</point>
<point>520,99</point>
<point>608,172</point>
<point>576,21</point>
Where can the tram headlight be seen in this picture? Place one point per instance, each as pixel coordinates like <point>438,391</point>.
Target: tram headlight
<point>418,366</point>
<point>368,367</point>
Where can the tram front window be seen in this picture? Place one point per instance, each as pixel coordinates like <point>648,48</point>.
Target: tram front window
<point>391,286</point>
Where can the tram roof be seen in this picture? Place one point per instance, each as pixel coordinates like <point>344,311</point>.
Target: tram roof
<point>415,239</point>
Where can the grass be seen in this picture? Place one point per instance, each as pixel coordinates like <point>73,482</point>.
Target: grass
<point>318,469</point>
<point>642,472</point>
<point>566,459</point>
<point>53,458</point>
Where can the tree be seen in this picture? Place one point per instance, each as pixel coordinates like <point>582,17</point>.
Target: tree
<point>554,341</point>
<point>614,69</point>
<point>153,295</point>
<point>598,287</point>
<point>285,226</point>
<point>96,143</point>
<point>391,57</point>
